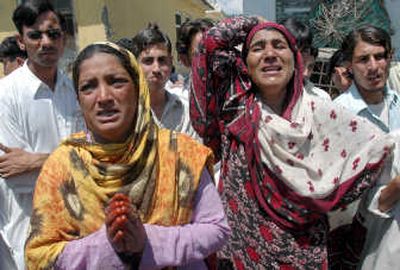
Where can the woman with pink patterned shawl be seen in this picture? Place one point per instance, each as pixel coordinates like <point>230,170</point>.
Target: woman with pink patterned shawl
<point>288,158</point>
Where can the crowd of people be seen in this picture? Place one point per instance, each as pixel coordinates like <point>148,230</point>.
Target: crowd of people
<point>242,164</point>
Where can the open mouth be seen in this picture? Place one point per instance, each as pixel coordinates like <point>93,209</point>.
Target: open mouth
<point>107,114</point>
<point>271,69</point>
<point>373,77</point>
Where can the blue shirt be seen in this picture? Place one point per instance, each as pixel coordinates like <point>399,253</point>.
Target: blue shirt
<point>352,100</point>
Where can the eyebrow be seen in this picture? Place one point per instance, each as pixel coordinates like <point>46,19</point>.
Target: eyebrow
<point>369,54</point>
<point>260,42</point>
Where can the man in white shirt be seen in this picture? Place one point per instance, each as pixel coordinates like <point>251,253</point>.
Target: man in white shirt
<point>153,50</point>
<point>369,50</point>
<point>38,109</point>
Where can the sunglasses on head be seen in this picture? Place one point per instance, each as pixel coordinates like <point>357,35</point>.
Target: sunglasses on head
<point>53,34</point>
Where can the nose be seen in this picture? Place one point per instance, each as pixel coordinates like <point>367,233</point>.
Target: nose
<point>156,67</point>
<point>105,96</point>
<point>269,54</point>
<point>46,40</point>
<point>373,63</point>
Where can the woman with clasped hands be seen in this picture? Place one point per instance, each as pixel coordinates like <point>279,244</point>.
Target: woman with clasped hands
<point>124,194</point>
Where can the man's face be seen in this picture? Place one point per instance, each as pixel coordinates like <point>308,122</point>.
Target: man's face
<point>156,63</point>
<point>43,41</point>
<point>370,68</point>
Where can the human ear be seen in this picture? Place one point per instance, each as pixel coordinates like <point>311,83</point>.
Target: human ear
<point>20,41</point>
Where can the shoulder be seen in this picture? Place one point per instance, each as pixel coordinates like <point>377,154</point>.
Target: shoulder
<point>13,89</point>
<point>56,166</point>
<point>394,93</point>
<point>316,91</point>
<point>66,82</point>
<point>176,100</point>
<point>343,98</point>
<point>185,145</point>
<point>62,152</point>
<point>19,83</point>
<point>12,79</point>
<point>188,143</point>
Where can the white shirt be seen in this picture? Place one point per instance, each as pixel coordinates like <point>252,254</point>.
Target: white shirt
<point>182,91</point>
<point>176,116</point>
<point>382,247</point>
<point>316,91</point>
<point>36,119</point>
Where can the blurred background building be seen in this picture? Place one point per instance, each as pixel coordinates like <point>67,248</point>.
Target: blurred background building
<point>98,20</point>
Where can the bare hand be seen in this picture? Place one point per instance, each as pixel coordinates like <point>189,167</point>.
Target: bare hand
<point>125,230</point>
<point>390,195</point>
<point>16,161</point>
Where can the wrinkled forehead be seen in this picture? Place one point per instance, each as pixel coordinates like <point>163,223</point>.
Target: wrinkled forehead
<point>268,34</point>
<point>271,26</point>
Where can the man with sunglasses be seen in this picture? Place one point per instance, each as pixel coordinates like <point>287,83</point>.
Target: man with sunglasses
<point>38,109</point>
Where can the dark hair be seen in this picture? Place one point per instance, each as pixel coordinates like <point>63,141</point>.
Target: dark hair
<point>369,34</point>
<point>301,33</point>
<point>91,50</point>
<point>150,36</point>
<point>9,49</point>
<point>188,30</point>
<point>27,13</point>
<point>338,59</point>
<point>125,43</point>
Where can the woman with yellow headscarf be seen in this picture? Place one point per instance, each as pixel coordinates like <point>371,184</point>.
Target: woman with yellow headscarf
<point>124,193</point>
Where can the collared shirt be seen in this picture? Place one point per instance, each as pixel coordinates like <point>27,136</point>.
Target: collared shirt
<point>393,80</point>
<point>379,251</point>
<point>36,119</point>
<point>176,116</point>
<point>352,100</point>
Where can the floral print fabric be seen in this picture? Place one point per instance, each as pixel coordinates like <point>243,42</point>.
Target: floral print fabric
<point>280,174</point>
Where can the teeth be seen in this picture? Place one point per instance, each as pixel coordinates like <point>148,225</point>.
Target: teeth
<point>373,77</point>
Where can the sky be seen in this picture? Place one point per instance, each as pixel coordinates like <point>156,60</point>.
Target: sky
<point>231,7</point>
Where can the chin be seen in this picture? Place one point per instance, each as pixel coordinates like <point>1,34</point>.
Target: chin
<point>109,136</point>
